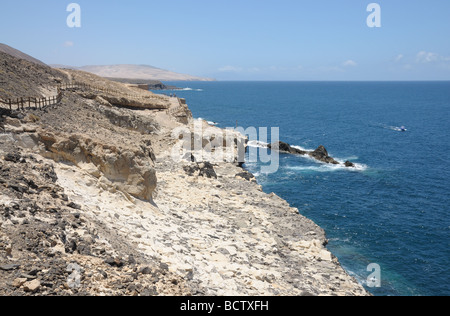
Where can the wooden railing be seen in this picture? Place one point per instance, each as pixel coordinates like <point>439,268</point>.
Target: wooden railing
<point>174,110</point>
<point>39,103</point>
<point>30,102</point>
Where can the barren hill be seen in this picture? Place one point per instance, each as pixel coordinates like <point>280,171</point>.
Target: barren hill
<point>143,72</point>
<point>18,54</point>
<point>22,78</point>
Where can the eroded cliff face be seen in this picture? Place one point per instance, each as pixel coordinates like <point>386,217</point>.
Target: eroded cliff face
<point>123,169</point>
<point>111,145</point>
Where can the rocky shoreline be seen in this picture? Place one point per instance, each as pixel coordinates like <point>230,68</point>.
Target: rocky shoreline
<point>320,154</point>
<point>92,202</point>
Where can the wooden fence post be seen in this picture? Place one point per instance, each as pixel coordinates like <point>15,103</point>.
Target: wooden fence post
<point>10,105</point>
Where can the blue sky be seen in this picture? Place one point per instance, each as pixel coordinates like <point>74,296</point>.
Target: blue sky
<point>241,40</point>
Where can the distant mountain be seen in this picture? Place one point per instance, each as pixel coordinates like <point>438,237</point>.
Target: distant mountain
<point>20,55</point>
<point>143,72</point>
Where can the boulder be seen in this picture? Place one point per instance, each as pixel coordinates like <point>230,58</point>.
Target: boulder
<point>207,170</point>
<point>130,170</point>
<point>32,286</point>
<point>281,146</point>
<point>246,175</point>
<point>285,147</point>
<point>349,164</point>
<point>321,154</point>
<point>204,169</point>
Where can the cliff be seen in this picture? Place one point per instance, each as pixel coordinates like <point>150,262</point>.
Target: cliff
<point>92,202</point>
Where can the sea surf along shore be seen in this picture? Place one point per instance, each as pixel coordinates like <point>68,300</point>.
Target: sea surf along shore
<point>94,203</point>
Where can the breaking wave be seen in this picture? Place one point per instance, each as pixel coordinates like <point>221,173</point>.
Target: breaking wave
<point>190,89</point>
<point>320,166</point>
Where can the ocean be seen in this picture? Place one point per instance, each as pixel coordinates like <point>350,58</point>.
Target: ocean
<point>393,209</point>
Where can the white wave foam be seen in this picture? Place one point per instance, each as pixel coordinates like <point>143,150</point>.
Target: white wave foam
<point>357,166</point>
<point>209,122</point>
<point>301,148</point>
<point>324,167</point>
<point>190,89</point>
<point>319,168</point>
<point>256,143</point>
<point>392,128</point>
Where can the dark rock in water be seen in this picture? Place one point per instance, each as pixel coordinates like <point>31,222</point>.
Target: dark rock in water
<point>281,146</point>
<point>321,154</point>
<point>349,164</point>
<point>285,147</point>
<point>298,151</point>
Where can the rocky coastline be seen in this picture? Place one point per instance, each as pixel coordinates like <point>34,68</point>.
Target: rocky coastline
<point>320,154</point>
<point>92,202</point>
<point>151,84</point>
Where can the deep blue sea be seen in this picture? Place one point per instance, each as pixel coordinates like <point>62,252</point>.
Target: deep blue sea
<point>393,210</point>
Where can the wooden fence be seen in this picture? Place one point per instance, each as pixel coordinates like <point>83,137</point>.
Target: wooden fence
<point>81,85</point>
<point>30,102</point>
<point>39,103</point>
<point>180,107</point>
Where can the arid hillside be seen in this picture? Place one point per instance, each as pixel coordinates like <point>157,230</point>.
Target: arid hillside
<point>20,55</point>
<point>22,78</point>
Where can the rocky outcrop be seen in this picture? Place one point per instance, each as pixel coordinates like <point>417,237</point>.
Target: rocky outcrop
<point>120,169</point>
<point>285,147</point>
<point>150,84</point>
<point>203,169</point>
<point>128,120</point>
<point>320,154</point>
